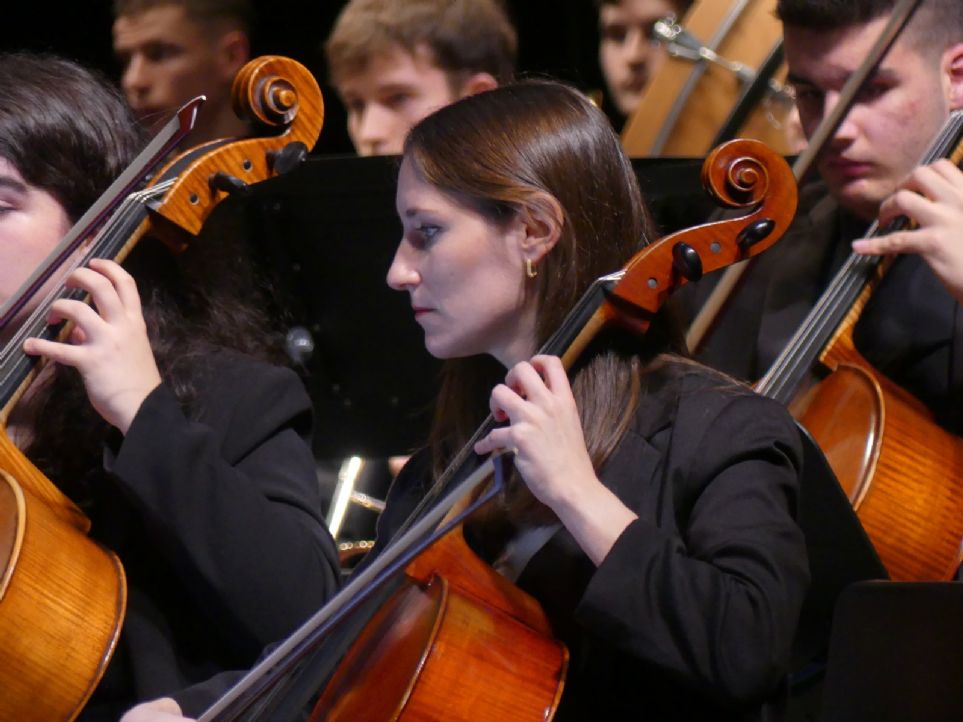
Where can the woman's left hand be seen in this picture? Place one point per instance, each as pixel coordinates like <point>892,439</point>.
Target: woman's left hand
<point>108,346</point>
<point>545,434</point>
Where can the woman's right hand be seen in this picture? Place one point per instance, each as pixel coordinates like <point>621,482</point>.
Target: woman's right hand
<point>159,710</point>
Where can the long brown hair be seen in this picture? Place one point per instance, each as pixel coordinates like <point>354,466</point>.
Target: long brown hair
<point>500,153</point>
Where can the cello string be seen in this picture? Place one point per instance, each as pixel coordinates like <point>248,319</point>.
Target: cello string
<point>806,344</point>
<point>16,366</point>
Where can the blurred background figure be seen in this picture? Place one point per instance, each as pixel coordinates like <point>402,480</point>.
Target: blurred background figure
<point>395,61</point>
<point>173,50</point>
<point>629,54</point>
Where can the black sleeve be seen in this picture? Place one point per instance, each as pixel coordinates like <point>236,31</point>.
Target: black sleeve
<point>403,497</point>
<point>715,601</point>
<point>232,499</point>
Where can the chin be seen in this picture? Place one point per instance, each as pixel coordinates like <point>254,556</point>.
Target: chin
<point>858,199</point>
<point>438,350</point>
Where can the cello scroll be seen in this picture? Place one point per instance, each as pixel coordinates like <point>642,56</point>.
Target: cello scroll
<point>283,102</point>
<point>740,174</point>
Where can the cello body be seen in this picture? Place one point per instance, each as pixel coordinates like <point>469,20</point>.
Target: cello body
<point>687,102</point>
<point>457,642</point>
<point>902,472</point>
<point>55,580</point>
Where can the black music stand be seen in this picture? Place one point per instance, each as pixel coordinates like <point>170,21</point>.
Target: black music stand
<point>327,231</point>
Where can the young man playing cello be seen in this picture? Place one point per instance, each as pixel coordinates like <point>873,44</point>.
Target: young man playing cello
<point>910,328</point>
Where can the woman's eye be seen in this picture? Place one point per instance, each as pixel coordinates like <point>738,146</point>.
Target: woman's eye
<point>428,231</point>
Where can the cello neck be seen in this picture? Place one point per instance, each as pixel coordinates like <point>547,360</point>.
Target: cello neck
<point>111,242</point>
<point>793,365</point>
<point>111,222</point>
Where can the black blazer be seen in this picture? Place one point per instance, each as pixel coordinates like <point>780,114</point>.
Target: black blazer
<point>216,516</point>
<point>692,613</point>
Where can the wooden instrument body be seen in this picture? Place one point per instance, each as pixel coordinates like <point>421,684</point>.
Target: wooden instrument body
<point>902,472</point>
<point>706,93</point>
<point>58,582</point>
<point>456,642</point>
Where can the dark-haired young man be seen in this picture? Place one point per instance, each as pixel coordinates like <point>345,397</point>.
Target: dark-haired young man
<point>910,329</point>
<point>174,50</point>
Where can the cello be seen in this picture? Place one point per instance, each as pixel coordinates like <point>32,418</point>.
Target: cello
<point>719,81</point>
<point>749,179</point>
<point>62,596</point>
<point>902,473</point>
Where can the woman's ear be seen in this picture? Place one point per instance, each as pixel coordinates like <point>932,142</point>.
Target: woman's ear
<point>542,220</point>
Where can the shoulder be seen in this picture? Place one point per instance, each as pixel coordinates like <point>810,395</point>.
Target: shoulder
<point>236,390</point>
<point>232,373</point>
<point>713,415</point>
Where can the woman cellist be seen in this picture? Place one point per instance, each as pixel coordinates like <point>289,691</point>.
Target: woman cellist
<point>652,513</point>
<point>166,423</point>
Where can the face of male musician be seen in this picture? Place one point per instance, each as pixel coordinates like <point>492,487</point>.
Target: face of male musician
<point>627,53</point>
<point>894,119</point>
<point>32,222</point>
<point>394,91</point>
<point>168,58</point>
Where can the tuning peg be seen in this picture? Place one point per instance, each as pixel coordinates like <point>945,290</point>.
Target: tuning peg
<point>230,184</point>
<point>755,232</point>
<point>288,158</point>
<point>686,261</point>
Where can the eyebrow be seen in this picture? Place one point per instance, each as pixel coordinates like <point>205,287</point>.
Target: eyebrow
<point>885,74</point>
<point>13,184</point>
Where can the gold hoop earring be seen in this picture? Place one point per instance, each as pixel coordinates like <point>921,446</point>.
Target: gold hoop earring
<point>530,269</point>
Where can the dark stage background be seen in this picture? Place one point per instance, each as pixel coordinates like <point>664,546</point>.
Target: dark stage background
<point>556,37</point>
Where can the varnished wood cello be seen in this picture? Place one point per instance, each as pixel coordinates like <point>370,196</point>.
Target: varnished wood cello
<point>722,80</point>
<point>902,472</point>
<point>748,178</point>
<point>62,596</point>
